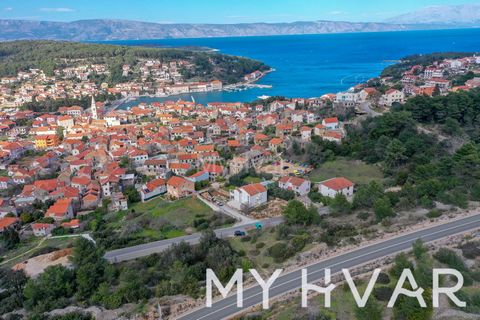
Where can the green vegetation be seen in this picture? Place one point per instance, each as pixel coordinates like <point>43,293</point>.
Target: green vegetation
<point>339,205</point>
<point>276,192</point>
<point>461,79</point>
<point>250,180</point>
<point>471,296</point>
<point>471,250</point>
<point>9,239</point>
<point>92,281</point>
<point>455,113</point>
<point>406,63</point>
<point>423,168</point>
<point>254,247</point>
<point>18,56</point>
<point>297,214</point>
<point>332,233</point>
<point>247,177</point>
<point>356,171</point>
<point>270,247</point>
<point>343,305</point>
<point>182,210</point>
<point>153,220</point>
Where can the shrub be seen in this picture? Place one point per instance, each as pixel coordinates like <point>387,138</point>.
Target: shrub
<point>476,275</point>
<point>382,293</point>
<point>432,214</point>
<point>254,252</point>
<point>451,259</point>
<point>245,239</point>
<point>471,250</point>
<point>335,233</point>
<point>299,242</point>
<point>280,252</point>
<point>363,216</point>
<point>42,251</point>
<point>383,278</point>
<point>260,245</point>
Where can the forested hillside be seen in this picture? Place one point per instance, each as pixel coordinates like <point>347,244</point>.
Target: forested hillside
<point>429,147</point>
<point>48,55</point>
<point>406,63</point>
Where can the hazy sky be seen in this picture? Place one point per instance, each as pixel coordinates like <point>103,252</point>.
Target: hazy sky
<point>213,11</point>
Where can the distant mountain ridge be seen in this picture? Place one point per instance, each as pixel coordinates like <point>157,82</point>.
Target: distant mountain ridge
<point>98,30</point>
<point>456,15</point>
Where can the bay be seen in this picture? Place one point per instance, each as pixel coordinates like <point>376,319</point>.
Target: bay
<point>312,65</point>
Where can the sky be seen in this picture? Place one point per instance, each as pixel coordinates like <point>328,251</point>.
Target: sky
<point>214,11</point>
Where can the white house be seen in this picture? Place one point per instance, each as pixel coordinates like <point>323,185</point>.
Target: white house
<point>138,157</point>
<point>347,96</point>
<point>152,189</point>
<point>392,96</point>
<point>330,188</point>
<point>331,123</point>
<point>306,133</point>
<point>119,202</point>
<point>4,181</point>
<point>298,185</point>
<point>249,196</point>
<point>42,229</point>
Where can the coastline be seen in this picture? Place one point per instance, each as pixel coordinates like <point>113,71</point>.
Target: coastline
<point>239,86</point>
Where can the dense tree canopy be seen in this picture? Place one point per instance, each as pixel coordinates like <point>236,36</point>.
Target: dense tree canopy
<point>18,56</point>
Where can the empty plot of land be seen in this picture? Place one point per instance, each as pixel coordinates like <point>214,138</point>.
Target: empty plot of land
<point>354,170</point>
<point>160,219</point>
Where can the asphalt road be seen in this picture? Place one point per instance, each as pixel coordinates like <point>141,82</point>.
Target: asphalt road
<point>147,249</point>
<point>226,308</point>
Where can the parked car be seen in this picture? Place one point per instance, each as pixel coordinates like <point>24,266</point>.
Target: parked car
<point>239,233</point>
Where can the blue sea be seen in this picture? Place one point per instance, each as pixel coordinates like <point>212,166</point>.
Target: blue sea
<point>312,65</point>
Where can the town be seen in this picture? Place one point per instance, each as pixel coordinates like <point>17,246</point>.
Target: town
<point>76,159</point>
<point>154,78</point>
<point>234,167</point>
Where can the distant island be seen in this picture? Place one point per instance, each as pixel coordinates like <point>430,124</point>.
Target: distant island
<point>105,29</point>
<point>432,17</point>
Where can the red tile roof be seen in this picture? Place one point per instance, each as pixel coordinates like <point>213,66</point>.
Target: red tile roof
<point>176,182</point>
<point>233,143</point>
<point>296,181</point>
<point>7,222</point>
<point>154,184</point>
<point>215,168</point>
<point>253,189</point>
<point>338,183</point>
<point>331,120</point>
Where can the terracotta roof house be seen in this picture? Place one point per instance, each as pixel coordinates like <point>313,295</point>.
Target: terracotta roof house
<point>62,209</point>
<point>7,222</point>
<point>330,123</point>
<point>249,196</point>
<point>214,170</point>
<point>42,229</point>
<point>332,187</point>
<point>152,189</point>
<point>298,185</point>
<point>178,187</point>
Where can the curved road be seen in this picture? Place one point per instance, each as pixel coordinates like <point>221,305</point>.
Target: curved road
<point>227,307</point>
<point>143,250</point>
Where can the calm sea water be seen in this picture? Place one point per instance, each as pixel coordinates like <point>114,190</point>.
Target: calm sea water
<point>312,65</point>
